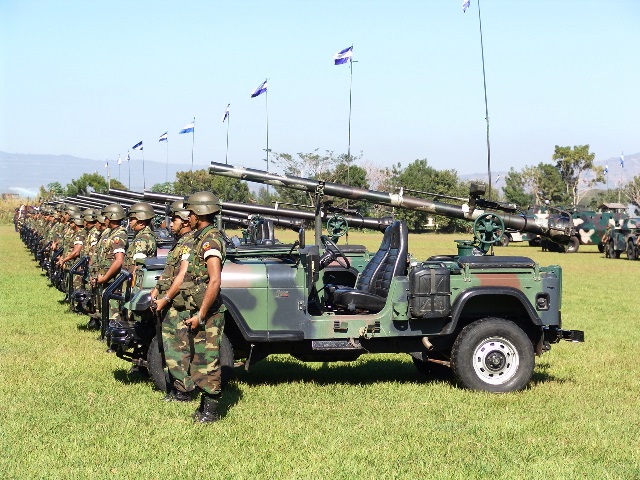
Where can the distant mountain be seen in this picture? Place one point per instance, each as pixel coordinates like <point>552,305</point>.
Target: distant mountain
<point>25,173</point>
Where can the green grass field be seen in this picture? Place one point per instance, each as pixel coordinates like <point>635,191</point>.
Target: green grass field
<point>69,409</point>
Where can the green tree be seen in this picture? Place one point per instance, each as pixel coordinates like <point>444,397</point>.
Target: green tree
<point>631,192</point>
<point>514,189</point>
<point>166,187</point>
<point>418,176</point>
<point>117,184</point>
<point>51,191</point>
<point>227,189</point>
<point>87,183</point>
<point>573,165</point>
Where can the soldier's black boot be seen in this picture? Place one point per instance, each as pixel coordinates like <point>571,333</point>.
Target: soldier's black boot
<point>177,396</point>
<point>208,411</point>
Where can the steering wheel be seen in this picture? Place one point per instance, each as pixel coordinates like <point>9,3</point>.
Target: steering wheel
<point>332,252</point>
<point>337,226</point>
<point>488,228</point>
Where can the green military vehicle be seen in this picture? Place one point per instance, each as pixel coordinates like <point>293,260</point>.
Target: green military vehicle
<point>623,239</point>
<point>486,317</point>
<point>589,226</point>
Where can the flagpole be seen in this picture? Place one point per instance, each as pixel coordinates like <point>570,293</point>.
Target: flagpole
<point>266,104</point>
<point>193,140</point>
<point>486,105</point>
<point>166,173</point>
<point>144,182</point>
<point>129,165</point>
<point>119,162</point>
<point>226,155</point>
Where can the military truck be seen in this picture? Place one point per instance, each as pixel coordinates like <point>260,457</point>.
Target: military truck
<point>590,226</point>
<point>623,239</point>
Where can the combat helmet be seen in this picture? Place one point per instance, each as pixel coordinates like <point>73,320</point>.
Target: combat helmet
<point>178,210</point>
<point>141,211</point>
<point>89,215</point>
<point>113,212</point>
<point>76,218</point>
<point>203,203</point>
<point>71,209</point>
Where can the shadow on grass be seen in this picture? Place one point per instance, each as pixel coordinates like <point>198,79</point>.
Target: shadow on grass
<point>127,377</point>
<point>231,397</point>
<point>541,375</point>
<point>362,372</point>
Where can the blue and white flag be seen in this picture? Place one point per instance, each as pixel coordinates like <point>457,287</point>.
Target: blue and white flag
<point>497,178</point>
<point>138,146</point>
<point>190,127</point>
<point>622,160</point>
<point>106,164</point>
<point>164,137</point>
<point>119,160</point>
<point>343,56</point>
<point>606,169</point>
<point>260,90</point>
<point>226,113</point>
<point>465,5</point>
<point>128,156</point>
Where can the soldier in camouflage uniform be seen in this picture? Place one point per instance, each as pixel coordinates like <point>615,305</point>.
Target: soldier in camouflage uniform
<point>175,334</point>
<point>200,295</point>
<point>79,237</point>
<point>143,244</point>
<point>94,261</point>
<point>112,252</point>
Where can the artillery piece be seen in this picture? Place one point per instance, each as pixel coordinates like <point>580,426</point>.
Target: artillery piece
<point>490,218</point>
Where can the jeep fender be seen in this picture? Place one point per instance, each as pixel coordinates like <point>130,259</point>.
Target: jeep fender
<point>492,294</point>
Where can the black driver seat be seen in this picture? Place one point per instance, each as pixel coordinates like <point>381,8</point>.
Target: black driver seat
<point>372,287</point>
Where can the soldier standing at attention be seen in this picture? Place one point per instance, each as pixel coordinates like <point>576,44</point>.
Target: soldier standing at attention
<point>112,254</point>
<point>95,258</point>
<point>201,294</point>
<point>143,244</point>
<point>175,334</point>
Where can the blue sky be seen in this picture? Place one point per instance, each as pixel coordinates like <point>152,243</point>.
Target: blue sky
<point>92,78</point>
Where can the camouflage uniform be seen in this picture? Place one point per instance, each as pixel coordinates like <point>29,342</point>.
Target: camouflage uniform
<point>143,245</point>
<point>79,238</point>
<point>115,243</point>
<point>205,364</point>
<point>175,334</point>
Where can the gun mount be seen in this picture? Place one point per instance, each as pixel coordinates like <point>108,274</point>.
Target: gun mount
<point>489,217</point>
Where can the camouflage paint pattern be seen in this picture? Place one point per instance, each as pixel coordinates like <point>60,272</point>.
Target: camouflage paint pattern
<point>205,365</point>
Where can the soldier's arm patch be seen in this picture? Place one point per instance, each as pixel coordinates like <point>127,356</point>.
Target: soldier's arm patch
<point>206,246</point>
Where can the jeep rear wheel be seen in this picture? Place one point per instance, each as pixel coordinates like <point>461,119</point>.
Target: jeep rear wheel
<point>160,374</point>
<point>631,251</point>
<point>573,245</point>
<point>156,366</point>
<point>613,253</point>
<point>493,355</point>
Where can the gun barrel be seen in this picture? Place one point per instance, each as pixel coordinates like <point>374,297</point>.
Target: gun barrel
<point>558,231</point>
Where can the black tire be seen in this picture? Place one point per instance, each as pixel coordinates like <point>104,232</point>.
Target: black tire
<point>631,250</point>
<point>160,374</point>
<point>157,369</point>
<point>496,341</point>
<point>613,253</point>
<point>573,246</point>
<point>432,369</point>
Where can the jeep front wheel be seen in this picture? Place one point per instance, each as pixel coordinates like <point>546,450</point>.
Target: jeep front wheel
<point>493,355</point>
<point>631,250</point>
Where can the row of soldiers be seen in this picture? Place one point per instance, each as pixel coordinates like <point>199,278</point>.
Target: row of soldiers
<point>186,299</point>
